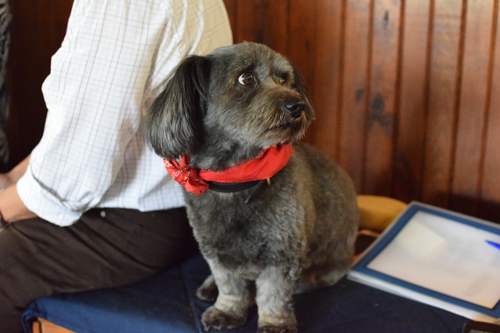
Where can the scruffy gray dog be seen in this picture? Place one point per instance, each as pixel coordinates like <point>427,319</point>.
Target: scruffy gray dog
<point>291,233</point>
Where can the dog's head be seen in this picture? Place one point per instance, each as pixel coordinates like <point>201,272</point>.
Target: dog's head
<point>244,95</point>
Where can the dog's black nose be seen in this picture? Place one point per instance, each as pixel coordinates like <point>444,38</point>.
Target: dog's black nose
<point>295,108</point>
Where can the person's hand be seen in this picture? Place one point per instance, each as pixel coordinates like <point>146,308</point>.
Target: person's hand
<point>5,181</point>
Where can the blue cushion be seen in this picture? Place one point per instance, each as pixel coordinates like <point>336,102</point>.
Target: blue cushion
<point>166,302</point>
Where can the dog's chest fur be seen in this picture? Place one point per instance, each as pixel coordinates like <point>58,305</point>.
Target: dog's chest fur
<point>306,214</point>
<point>249,237</point>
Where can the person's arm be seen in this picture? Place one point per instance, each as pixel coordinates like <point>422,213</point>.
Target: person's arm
<point>115,57</point>
<point>11,177</point>
<point>11,206</point>
<point>94,95</point>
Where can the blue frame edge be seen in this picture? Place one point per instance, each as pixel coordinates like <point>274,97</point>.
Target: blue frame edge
<point>414,207</point>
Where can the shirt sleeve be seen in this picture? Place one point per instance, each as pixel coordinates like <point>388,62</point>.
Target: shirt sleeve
<point>94,96</point>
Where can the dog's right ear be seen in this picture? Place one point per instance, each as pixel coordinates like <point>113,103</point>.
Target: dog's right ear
<point>174,121</point>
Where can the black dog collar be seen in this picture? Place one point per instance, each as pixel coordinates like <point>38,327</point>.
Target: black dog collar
<point>231,187</point>
<point>237,187</point>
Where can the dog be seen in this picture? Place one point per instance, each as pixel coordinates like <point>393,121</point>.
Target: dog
<point>221,120</point>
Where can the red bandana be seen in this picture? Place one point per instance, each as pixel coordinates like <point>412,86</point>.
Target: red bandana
<point>266,165</point>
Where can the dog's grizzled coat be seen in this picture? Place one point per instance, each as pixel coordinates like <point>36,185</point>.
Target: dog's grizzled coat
<point>221,110</point>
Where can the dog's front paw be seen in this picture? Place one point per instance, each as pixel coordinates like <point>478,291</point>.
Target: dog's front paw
<point>217,319</point>
<point>208,290</point>
<point>278,329</point>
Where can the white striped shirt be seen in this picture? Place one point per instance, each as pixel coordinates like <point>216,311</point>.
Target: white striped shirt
<point>115,58</point>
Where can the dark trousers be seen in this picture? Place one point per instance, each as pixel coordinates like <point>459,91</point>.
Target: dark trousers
<point>105,248</point>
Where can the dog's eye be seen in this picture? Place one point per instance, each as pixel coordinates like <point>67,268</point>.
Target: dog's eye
<point>282,80</point>
<point>246,79</point>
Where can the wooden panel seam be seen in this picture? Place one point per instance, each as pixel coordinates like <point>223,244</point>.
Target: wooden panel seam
<point>494,31</point>
<point>458,90</point>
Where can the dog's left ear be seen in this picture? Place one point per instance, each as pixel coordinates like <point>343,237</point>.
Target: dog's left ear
<point>174,121</point>
<point>300,86</point>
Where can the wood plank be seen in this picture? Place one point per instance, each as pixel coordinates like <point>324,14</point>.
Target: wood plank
<point>231,8</point>
<point>45,18</point>
<point>489,207</point>
<point>301,46</point>
<point>444,72</point>
<point>26,102</point>
<point>383,92</point>
<point>410,138</point>
<point>301,29</point>
<point>472,109</point>
<point>36,34</point>
<point>44,326</point>
<point>354,89</point>
<point>263,21</point>
<point>326,85</point>
<point>62,11</point>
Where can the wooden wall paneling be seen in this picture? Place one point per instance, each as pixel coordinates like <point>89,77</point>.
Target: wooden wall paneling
<point>45,28</point>
<point>263,21</point>
<point>472,107</point>
<point>489,207</point>
<point>301,29</point>
<point>301,42</point>
<point>410,135</point>
<point>21,67</point>
<point>327,76</point>
<point>441,118</point>
<point>231,8</point>
<point>62,11</point>
<point>403,88</point>
<point>382,96</point>
<point>36,34</point>
<point>354,89</point>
